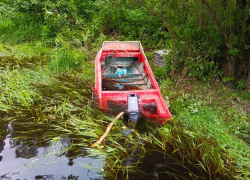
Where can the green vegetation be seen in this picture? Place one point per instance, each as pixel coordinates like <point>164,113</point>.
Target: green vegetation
<point>47,49</point>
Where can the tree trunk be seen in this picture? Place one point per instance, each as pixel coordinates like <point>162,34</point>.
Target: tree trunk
<point>247,86</point>
<point>247,35</point>
<point>201,14</point>
<point>228,66</point>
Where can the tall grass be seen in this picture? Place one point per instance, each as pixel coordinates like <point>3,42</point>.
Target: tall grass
<point>67,58</point>
<point>214,115</point>
<point>19,27</point>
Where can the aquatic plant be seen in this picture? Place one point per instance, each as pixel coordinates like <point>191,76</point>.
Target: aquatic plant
<point>205,139</point>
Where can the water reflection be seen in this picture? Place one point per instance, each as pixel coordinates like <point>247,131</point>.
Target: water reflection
<point>24,145</point>
<point>2,143</point>
<point>44,177</point>
<point>26,152</point>
<point>3,127</point>
<point>48,177</point>
<point>24,156</point>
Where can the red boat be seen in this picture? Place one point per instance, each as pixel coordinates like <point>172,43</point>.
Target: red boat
<point>124,81</point>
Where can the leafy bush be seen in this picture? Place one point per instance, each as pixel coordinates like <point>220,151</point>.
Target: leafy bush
<point>58,15</point>
<point>241,85</point>
<point>161,72</point>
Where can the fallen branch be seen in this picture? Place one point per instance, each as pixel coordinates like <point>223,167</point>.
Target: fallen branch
<point>107,130</point>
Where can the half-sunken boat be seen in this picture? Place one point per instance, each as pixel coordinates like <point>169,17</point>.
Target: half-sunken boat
<point>124,82</point>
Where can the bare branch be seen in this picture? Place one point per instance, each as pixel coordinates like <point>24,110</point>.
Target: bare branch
<point>214,14</point>
<point>100,140</point>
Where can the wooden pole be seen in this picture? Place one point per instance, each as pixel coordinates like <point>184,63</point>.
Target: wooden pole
<point>107,130</point>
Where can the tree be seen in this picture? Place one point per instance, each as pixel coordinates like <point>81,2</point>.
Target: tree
<point>207,33</point>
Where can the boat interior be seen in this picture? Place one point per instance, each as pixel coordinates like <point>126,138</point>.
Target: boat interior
<point>124,73</point>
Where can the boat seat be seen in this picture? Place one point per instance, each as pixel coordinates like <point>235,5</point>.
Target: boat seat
<point>130,81</point>
<point>135,84</point>
<point>116,75</point>
<point>127,80</point>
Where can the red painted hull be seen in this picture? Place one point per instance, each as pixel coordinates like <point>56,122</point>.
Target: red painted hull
<point>107,100</point>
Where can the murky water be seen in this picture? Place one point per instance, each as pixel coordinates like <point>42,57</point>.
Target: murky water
<point>26,153</point>
<point>21,157</point>
<point>26,133</point>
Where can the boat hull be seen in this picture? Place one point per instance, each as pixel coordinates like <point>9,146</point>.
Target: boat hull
<point>154,106</point>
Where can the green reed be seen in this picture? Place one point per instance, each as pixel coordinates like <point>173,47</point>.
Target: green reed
<point>204,138</point>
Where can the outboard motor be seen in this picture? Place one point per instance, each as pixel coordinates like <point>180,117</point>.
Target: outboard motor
<point>134,108</point>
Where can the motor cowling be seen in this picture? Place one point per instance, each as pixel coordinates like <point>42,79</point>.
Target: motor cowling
<point>134,108</point>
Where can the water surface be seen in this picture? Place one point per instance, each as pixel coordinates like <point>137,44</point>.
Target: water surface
<point>21,157</point>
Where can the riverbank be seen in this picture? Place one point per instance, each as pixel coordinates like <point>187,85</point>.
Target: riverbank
<point>50,90</point>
